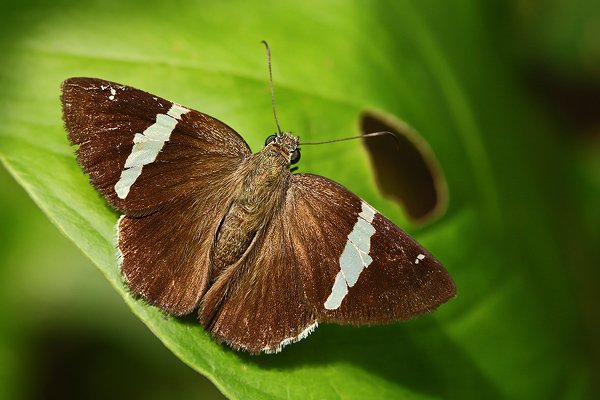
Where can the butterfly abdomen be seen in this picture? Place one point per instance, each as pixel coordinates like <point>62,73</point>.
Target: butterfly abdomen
<point>262,191</point>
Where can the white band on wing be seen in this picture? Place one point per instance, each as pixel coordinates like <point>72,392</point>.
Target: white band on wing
<point>146,147</point>
<point>355,257</point>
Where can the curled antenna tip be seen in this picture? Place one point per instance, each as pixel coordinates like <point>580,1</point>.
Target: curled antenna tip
<point>267,47</point>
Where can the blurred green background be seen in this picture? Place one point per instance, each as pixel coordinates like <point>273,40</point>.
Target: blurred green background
<point>66,333</point>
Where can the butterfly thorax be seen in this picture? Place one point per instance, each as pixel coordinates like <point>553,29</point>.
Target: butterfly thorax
<point>264,182</point>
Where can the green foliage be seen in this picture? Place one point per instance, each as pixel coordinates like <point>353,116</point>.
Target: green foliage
<point>512,330</point>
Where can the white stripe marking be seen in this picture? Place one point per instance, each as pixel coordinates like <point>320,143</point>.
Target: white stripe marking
<point>146,147</point>
<point>420,257</point>
<point>355,257</point>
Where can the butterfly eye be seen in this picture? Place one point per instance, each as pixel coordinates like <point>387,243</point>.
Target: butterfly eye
<point>270,138</point>
<point>295,156</point>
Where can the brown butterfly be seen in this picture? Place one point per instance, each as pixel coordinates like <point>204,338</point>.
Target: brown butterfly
<point>263,254</point>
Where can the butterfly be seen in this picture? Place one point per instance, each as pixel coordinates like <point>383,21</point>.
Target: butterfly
<point>263,254</point>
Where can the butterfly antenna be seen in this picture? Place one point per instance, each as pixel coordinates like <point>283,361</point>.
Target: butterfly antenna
<point>271,84</point>
<point>366,135</point>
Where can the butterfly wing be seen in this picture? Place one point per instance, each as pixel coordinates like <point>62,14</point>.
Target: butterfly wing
<point>258,305</point>
<point>165,167</point>
<point>142,151</point>
<point>165,256</point>
<point>326,256</point>
<point>358,267</point>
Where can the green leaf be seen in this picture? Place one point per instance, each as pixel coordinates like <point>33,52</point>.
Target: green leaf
<point>509,333</point>
<point>561,35</point>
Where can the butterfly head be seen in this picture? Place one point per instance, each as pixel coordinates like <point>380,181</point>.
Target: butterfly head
<point>286,144</point>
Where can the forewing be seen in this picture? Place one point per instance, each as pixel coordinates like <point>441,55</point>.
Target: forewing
<point>356,266</point>
<point>142,151</point>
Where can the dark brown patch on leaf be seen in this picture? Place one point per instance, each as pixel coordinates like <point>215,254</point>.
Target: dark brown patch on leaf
<point>406,170</point>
